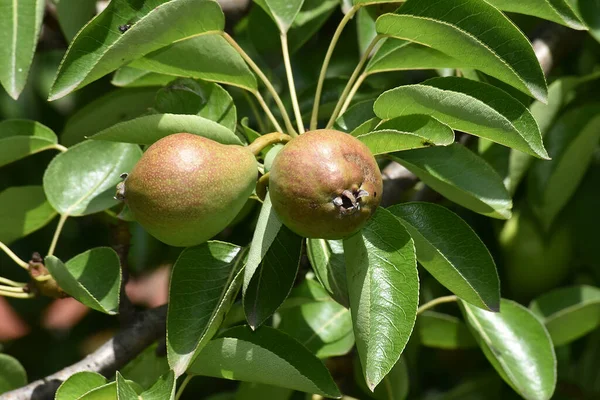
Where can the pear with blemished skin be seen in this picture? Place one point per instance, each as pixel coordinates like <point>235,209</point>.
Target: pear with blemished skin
<point>325,184</point>
<point>186,188</point>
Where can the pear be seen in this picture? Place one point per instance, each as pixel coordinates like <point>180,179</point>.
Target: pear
<point>325,184</point>
<point>186,188</point>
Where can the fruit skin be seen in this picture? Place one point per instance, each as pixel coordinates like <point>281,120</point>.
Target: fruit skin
<point>314,179</point>
<point>186,188</point>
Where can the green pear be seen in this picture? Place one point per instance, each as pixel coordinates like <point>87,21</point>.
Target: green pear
<point>325,184</point>
<point>186,188</point>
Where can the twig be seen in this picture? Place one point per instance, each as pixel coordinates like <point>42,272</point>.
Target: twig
<point>110,357</point>
<point>121,244</point>
<point>435,302</point>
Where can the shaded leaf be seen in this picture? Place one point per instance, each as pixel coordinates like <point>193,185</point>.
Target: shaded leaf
<point>568,313</point>
<point>443,331</point>
<point>12,373</point>
<point>461,176</point>
<point>23,210</point>
<point>150,128</point>
<point>283,12</point>
<point>163,389</point>
<point>204,283</point>
<point>452,252</point>
<point>20,25</point>
<point>355,116</point>
<point>124,390</point>
<point>383,285</point>
<point>469,106</point>
<point>132,77</point>
<point>266,356</point>
<point>209,57</point>
<point>146,368</point>
<point>92,277</point>
<point>518,346</point>
<point>106,111</point>
<point>73,15</point>
<point>327,260</point>
<point>82,180</point>
<point>101,47</point>
<point>20,138</point>
<point>474,32</point>
<point>558,11</point>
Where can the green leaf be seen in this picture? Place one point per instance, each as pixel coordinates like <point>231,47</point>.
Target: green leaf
<point>323,326</point>
<point>79,384</point>
<point>461,176</point>
<point>20,25</point>
<point>274,278</point>
<point>265,356</point>
<point>92,277</point>
<point>518,346</point>
<point>163,389</point>
<point>132,77</point>
<point>474,32</point>
<point>355,116</point>
<point>206,99</point>
<point>82,180</point>
<point>147,367</point>
<point>406,133</point>
<point>124,390</point>
<point>108,391</point>
<point>283,12</point>
<point>469,106</point>
<point>150,128</point>
<point>257,391</point>
<point>209,57</point>
<point>12,373</point>
<point>20,138</point>
<point>395,385</point>
<point>571,144</point>
<point>452,252</point>
<point>558,11</point>
<point>204,283</point>
<point>443,331</point>
<point>73,15</point>
<point>383,285</point>
<point>398,55</point>
<point>117,106</point>
<point>589,12</point>
<point>101,47</point>
<point>327,260</point>
<point>23,210</point>
<point>568,313</point>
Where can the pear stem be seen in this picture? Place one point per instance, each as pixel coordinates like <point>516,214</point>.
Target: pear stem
<point>261,186</point>
<point>61,223</point>
<point>14,257</point>
<point>435,302</point>
<point>314,119</point>
<point>353,91</point>
<point>265,108</point>
<point>12,283</point>
<point>290,77</point>
<point>266,140</point>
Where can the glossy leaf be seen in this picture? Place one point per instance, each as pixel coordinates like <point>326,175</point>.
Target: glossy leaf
<point>150,128</point>
<point>321,325</point>
<point>452,252</point>
<point>23,210</point>
<point>20,25</point>
<point>397,55</point>
<point>206,99</point>
<point>79,384</point>
<point>461,176</point>
<point>407,133</point>
<point>132,77</point>
<point>443,331</point>
<point>518,346</point>
<point>327,260</point>
<point>82,180</point>
<point>163,389</point>
<point>20,138</point>
<point>568,313</point>
<point>101,47</point>
<point>12,373</point>
<point>558,11</point>
<point>92,277</point>
<point>204,283</point>
<point>475,33</point>
<point>571,144</point>
<point>469,106</point>
<point>106,111</point>
<point>265,356</point>
<point>209,57</point>
<point>124,390</point>
<point>274,278</point>
<point>383,285</point>
<point>283,12</point>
